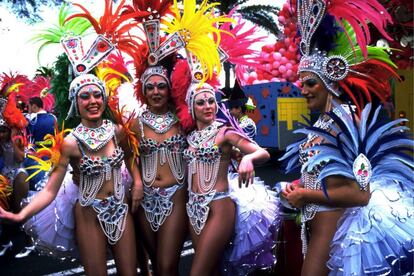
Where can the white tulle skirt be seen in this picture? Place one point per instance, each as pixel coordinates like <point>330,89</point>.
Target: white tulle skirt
<point>257,223</point>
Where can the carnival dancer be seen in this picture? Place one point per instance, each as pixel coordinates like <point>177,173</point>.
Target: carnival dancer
<point>341,68</point>
<point>95,149</point>
<point>211,209</point>
<point>12,146</point>
<point>161,128</point>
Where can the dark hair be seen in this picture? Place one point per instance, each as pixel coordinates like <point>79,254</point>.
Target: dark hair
<point>36,101</point>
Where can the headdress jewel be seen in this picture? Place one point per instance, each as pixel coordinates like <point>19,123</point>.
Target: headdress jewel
<point>82,64</point>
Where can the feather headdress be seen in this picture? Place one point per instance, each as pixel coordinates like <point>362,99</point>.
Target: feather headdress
<point>334,38</point>
<point>237,41</point>
<point>115,26</point>
<point>197,28</point>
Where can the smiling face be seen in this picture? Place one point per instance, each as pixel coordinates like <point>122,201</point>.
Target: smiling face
<point>205,108</point>
<point>314,91</point>
<point>90,103</point>
<point>156,92</point>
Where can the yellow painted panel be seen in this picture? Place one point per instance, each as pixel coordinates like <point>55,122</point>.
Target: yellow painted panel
<point>291,109</point>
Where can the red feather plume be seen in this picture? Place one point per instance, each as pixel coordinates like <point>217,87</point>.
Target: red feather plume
<point>180,82</point>
<point>369,78</point>
<point>14,116</point>
<point>157,8</point>
<point>116,26</point>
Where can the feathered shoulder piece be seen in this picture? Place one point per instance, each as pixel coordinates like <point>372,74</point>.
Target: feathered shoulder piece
<point>48,154</point>
<point>366,150</point>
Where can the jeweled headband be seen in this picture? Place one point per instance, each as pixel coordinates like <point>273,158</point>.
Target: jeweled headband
<point>77,84</point>
<point>154,70</point>
<point>196,89</point>
<point>329,69</point>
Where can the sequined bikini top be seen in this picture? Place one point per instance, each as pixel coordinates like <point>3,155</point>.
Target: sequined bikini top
<point>176,143</point>
<point>203,147</point>
<point>94,165</point>
<point>324,122</point>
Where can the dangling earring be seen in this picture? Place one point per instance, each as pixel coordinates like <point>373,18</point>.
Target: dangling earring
<point>328,104</point>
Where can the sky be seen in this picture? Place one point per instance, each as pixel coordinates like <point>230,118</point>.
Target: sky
<point>19,54</point>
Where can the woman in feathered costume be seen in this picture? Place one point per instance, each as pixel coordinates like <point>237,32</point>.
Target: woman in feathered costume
<point>347,198</point>
<point>161,130</point>
<point>95,149</point>
<point>12,145</point>
<point>231,229</point>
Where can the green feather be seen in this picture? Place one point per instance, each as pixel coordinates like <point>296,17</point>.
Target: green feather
<point>56,32</point>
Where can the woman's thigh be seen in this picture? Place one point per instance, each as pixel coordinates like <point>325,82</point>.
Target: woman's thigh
<point>91,241</point>
<point>323,228</point>
<point>214,238</point>
<point>124,250</point>
<point>171,235</point>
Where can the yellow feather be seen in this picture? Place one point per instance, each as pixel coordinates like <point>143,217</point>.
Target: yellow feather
<point>197,27</point>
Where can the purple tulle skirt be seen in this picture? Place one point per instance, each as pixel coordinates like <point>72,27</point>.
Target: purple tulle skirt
<point>257,223</point>
<point>377,239</point>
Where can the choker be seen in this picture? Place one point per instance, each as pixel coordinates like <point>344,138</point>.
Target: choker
<point>95,138</point>
<point>199,137</point>
<point>159,123</point>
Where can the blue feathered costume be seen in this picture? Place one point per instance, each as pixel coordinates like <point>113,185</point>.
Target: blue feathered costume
<point>376,239</point>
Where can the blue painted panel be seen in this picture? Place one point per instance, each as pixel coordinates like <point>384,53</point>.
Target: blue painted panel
<point>265,97</point>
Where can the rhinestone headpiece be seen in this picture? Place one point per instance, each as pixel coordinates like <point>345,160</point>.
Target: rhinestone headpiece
<point>82,64</point>
<point>154,70</point>
<point>329,69</point>
<point>193,91</point>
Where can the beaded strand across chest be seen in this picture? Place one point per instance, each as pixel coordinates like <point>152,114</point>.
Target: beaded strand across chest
<point>204,158</point>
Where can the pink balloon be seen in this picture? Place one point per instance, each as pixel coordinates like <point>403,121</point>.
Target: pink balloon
<point>275,64</point>
<point>282,51</point>
<point>292,49</point>
<point>289,65</point>
<point>289,73</point>
<point>277,55</point>
<point>282,69</point>
<point>282,19</point>
<point>253,75</point>
<point>264,55</point>
<point>287,41</point>
<point>275,72</point>
<point>268,67</point>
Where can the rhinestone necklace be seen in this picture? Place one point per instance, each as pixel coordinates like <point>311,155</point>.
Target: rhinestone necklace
<point>198,137</point>
<point>160,123</point>
<point>95,138</point>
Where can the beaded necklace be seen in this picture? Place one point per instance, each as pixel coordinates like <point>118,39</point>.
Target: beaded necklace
<point>95,138</point>
<point>198,137</point>
<point>160,123</point>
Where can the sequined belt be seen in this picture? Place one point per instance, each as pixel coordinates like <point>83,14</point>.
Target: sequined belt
<point>198,207</point>
<point>158,205</point>
<point>112,214</point>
